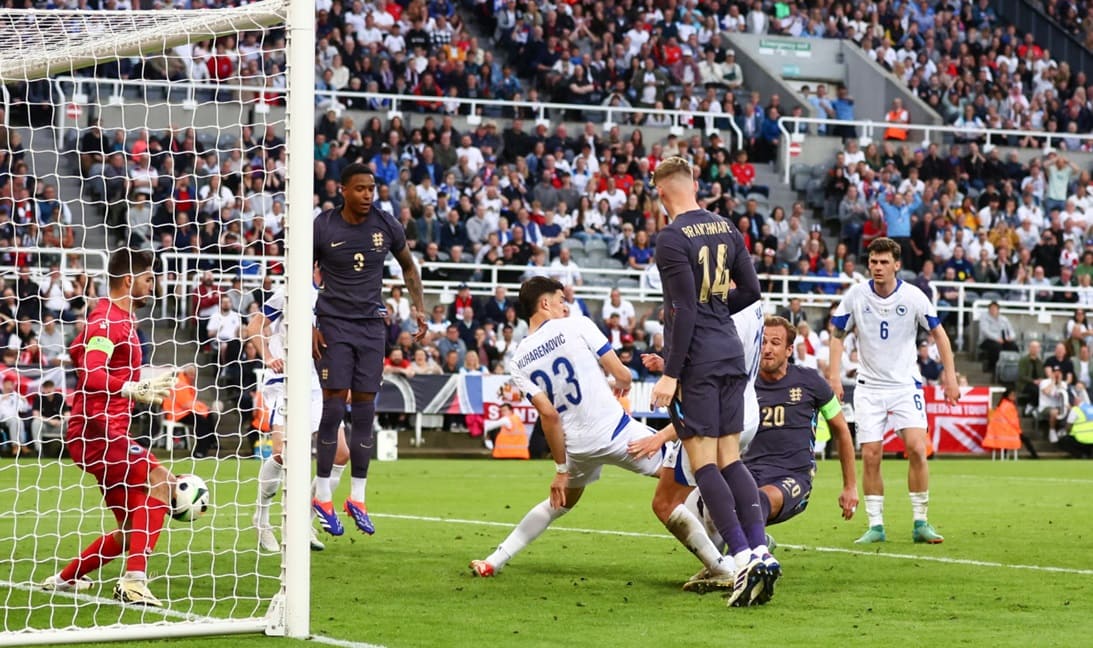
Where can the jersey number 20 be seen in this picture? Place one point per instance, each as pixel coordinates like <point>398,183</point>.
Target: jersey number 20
<point>720,281</point>
<point>573,395</point>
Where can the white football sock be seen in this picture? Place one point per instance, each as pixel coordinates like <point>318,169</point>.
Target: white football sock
<point>874,509</point>
<point>335,477</point>
<point>742,559</point>
<point>919,503</point>
<point>532,526</point>
<point>357,487</point>
<point>136,576</point>
<point>692,534</point>
<point>269,482</point>
<point>322,489</point>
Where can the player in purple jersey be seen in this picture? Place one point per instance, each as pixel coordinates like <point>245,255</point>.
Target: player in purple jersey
<point>780,456</point>
<point>348,341</point>
<point>701,256</point>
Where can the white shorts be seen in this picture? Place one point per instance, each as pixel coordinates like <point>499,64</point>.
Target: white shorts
<point>675,459</point>
<point>273,397</point>
<point>585,466</point>
<point>879,410</point>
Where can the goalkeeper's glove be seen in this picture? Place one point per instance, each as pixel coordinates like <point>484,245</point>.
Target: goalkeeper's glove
<point>151,391</point>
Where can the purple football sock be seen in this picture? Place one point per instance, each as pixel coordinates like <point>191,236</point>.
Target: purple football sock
<point>748,509</point>
<point>722,507</point>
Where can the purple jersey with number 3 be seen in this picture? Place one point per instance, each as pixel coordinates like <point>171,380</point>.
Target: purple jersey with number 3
<point>351,258</point>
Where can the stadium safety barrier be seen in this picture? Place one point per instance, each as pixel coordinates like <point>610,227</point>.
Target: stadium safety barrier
<point>874,130</point>
<point>1033,301</point>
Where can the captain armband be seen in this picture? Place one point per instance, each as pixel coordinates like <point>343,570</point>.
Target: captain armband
<point>100,343</point>
<point>831,408</point>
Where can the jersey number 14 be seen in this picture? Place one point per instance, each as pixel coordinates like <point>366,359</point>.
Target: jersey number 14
<point>719,283</point>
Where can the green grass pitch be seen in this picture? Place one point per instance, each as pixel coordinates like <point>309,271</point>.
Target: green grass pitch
<point>1016,568</point>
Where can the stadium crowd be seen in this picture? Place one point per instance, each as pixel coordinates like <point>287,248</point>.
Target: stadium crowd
<point>539,200</point>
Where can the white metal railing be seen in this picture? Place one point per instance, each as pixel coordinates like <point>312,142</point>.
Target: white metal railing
<point>869,128</point>
<point>680,118</point>
<point>969,303</point>
<point>63,257</point>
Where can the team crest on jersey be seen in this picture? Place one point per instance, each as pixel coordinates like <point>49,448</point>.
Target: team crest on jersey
<point>901,310</point>
<point>136,449</point>
<point>377,241</point>
<point>795,395</point>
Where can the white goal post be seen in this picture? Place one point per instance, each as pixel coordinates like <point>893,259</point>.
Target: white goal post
<point>51,509</point>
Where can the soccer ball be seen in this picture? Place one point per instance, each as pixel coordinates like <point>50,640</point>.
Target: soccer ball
<point>190,499</point>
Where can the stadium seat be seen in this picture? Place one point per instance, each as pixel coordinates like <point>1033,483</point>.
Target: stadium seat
<point>573,245</point>
<point>627,282</point>
<point>1005,372</point>
<point>594,245</point>
<point>814,192</point>
<point>800,178</point>
<point>1031,335</point>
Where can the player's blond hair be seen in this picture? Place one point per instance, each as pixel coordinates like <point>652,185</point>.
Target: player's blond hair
<point>671,167</point>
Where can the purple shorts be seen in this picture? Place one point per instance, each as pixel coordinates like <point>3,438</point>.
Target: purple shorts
<point>709,403</point>
<point>795,492</point>
<point>354,353</point>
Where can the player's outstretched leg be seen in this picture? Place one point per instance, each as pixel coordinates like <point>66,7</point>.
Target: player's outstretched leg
<point>684,522</point>
<point>360,457</point>
<point>531,527</point>
<point>100,552</point>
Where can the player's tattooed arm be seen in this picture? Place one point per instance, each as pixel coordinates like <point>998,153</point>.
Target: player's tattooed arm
<point>412,279</point>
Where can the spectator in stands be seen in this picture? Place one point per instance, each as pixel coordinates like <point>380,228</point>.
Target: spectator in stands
<point>12,409</point>
<point>223,332</point>
<point>206,301</point>
<point>184,406</point>
<point>51,342</point>
<point>1061,361</point>
<point>56,291</point>
<point>1030,371</point>
<point>452,342</point>
<point>49,415</point>
<point>929,368</point>
<point>396,364</point>
<point>616,305</point>
<point>1054,401</point>
<point>565,269</point>
<point>1074,344</point>
<point>996,334</point>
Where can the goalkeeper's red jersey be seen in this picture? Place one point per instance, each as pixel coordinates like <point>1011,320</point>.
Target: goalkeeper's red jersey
<point>106,355</point>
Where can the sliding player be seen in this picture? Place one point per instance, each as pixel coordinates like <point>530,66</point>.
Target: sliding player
<point>267,330</point>
<point>781,456</point>
<point>135,487</point>
<point>885,315</point>
<point>558,365</point>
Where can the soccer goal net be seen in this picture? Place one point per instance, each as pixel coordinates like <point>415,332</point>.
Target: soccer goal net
<point>165,131</point>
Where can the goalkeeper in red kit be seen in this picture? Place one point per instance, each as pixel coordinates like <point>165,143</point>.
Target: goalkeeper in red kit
<point>135,487</point>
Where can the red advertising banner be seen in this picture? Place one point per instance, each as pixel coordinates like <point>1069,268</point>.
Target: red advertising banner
<point>953,429</point>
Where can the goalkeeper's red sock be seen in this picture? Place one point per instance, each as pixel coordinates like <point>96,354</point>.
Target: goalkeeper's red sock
<point>97,554</point>
<point>147,524</point>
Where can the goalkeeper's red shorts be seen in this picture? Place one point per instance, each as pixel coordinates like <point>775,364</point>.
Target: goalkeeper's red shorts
<point>108,453</point>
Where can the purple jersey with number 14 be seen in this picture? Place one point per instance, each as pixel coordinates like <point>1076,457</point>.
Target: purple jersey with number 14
<point>351,258</point>
<point>699,256</point>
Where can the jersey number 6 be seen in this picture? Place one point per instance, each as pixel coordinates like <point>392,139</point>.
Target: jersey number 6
<point>720,273</point>
<point>541,378</point>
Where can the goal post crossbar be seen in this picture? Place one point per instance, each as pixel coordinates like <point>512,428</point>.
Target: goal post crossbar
<point>39,43</point>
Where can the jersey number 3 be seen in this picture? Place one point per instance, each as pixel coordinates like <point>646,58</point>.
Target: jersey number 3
<point>719,284</point>
<point>358,261</point>
<point>573,395</point>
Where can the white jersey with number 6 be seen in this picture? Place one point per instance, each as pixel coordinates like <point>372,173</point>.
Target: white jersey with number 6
<point>886,328</point>
<point>561,359</point>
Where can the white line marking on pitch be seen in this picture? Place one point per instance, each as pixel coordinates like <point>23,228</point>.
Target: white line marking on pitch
<point>341,643</point>
<point>1056,480</point>
<point>854,552</point>
<point>88,598</point>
